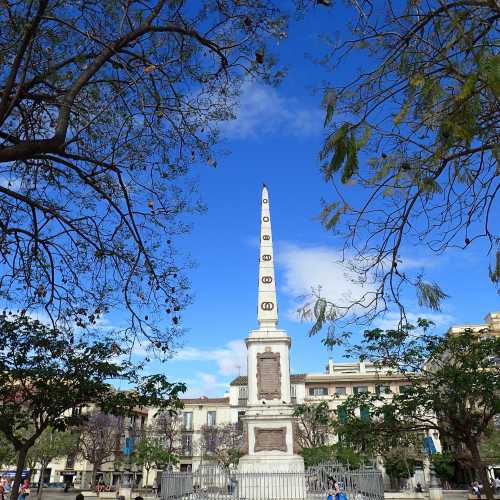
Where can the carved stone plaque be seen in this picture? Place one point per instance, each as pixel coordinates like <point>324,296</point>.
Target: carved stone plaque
<point>268,375</point>
<point>270,439</point>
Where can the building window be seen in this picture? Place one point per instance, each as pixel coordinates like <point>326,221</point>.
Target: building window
<point>187,444</point>
<point>342,413</point>
<point>340,391</point>
<point>382,389</point>
<point>211,417</point>
<point>293,391</point>
<point>318,391</point>
<point>364,413</point>
<point>187,420</point>
<point>360,389</point>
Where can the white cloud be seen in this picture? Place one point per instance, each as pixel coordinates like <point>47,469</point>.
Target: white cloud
<point>309,268</point>
<point>391,319</point>
<point>205,384</point>
<point>261,110</point>
<point>231,359</point>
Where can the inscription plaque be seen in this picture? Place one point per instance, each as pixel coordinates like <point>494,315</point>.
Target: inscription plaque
<point>270,439</point>
<point>268,375</point>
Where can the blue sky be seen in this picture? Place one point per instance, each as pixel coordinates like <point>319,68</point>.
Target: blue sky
<point>276,139</point>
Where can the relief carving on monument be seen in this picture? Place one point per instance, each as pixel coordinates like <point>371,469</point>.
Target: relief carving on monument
<point>268,375</point>
<point>270,439</point>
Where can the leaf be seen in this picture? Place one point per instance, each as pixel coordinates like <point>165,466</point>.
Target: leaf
<point>430,295</point>
<point>332,140</point>
<point>149,69</point>
<point>490,67</point>
<point>402,113</point>
<point>351,164</point>
<point>328,220</point>
<point>468,87</point>
<point>367,132</point>
<point>330,101</point>
<point>417,80</point>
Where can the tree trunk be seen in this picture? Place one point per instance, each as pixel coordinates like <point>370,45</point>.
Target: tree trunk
<point>40,482</point>
<point>21,460</point>
<point>147,477</point>
<point>481,468</point>
<point>94,474</point>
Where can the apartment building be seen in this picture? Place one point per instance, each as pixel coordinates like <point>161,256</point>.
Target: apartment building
<point>334,385</point>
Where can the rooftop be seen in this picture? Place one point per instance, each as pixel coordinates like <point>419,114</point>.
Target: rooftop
<point>203,400</point>
<point>243,379</point>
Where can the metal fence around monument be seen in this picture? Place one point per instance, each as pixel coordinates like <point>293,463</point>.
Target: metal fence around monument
<point>365,483</point>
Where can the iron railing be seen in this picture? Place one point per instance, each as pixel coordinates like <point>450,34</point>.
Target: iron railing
<point>213,483</point>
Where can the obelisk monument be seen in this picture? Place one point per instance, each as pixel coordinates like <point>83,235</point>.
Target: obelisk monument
<point>269,422</point>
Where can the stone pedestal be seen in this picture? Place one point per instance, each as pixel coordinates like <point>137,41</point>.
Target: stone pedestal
<point>126,493</point>
<point>435,488</point>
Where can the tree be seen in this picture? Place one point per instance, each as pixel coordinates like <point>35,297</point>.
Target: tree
<point>412,147</point>
<point>7,452</point>
<point>317,455</point>
<point>167,428</point>
<point>100,440</point>
<point>150,453</point>
<point>48,376</point>
<point>444,466</point>
<point>314,424</point>
<point>222,443</point>
<point>452,387</point>
<point>50,445</point>
<point>104,107</point>
<point>399,464</point>
<point>490,445</point>
<point>337,453</point>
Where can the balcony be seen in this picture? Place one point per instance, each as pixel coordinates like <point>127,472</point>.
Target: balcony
<point>187,451</point>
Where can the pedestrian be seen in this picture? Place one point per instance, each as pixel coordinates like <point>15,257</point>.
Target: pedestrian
<point>476,489</point>
<point>418,488</point>
<point>333,489</point>
<point>79,497</point>
<point>497,484</point>
<point>155,486</point>
<point>24,491</point>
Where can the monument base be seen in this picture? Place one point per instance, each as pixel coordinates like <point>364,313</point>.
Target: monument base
<point>271,463</point>
<point>271,477</point>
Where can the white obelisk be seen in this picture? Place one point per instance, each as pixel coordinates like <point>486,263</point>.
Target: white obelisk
<point>269,422</point>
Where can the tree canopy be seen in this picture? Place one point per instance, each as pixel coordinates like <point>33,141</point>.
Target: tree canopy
<point>452,387</point>
<point>411,148</point>
<point>104,108</point>
<point>47,377</point>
